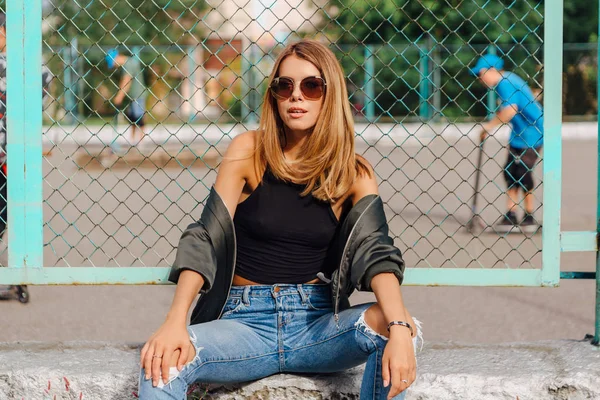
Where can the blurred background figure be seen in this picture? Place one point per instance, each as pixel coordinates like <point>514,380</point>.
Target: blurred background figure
<point>520,109</point>
<point>132,86</point>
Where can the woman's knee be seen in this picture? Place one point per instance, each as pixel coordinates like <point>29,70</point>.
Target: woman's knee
<point>375,320</point>
<point>191,354</point>
<point>174,387</point>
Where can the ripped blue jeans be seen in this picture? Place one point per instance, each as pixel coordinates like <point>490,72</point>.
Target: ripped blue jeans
<point>266,330</point>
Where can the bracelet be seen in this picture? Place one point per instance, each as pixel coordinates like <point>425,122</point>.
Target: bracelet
<point>402,323</point>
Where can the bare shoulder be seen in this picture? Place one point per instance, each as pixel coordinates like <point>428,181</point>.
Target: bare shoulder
<point>366,181</point>
<point>236,169</point>
<point>240,153</point>
<point>242,145</point>
<point>238,160</point>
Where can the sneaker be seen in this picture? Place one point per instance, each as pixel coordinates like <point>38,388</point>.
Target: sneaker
<point>507,223</point>
<point>529,224</point>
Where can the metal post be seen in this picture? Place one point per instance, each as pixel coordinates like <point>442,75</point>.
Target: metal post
<point>596,339</point>
<point>253,96</point>
<point>553,61</point>
<point>249,40</point>
<point>437,84</point>
<point>74,92</point>
<point>369,86</point>
<point>491,94</point>
<point>24,122</point>
<point>192,111</point>
<point>68,82</point>
<point>424,84</point>
<point>246,84</point>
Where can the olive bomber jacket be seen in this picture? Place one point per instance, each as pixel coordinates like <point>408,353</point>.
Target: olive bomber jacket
<point>360,250</point>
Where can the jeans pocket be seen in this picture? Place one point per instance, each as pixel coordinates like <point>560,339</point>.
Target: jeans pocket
<point>319,304</point>
<point>233,305</point>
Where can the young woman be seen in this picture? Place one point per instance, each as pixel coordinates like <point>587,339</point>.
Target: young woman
<point>291,227</point>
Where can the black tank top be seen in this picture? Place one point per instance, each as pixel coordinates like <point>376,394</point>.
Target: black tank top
<point>282,237</point>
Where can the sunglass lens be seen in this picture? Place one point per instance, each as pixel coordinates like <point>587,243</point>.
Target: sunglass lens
<point>283,88</point>
<point>312,87</point>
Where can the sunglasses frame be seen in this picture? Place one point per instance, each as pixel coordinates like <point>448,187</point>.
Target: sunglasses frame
<point>278,97</point>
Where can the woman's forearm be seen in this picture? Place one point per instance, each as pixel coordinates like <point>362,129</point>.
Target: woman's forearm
<point>389,297</point>
<point>188,286</point>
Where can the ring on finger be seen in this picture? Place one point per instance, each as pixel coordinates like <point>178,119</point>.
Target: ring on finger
<point>405,381</point>
<point>155,356</point>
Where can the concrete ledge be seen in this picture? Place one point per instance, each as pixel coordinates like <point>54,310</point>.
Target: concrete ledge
<point>538,370</point>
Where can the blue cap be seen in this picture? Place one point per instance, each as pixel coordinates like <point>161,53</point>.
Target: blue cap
<point>487,61</point>
<point>111,55</point>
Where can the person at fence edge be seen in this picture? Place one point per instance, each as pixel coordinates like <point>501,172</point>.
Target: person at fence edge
<point>523,112</point>
<point>46,80</point>
<point>131,85</point>
<point>292,226</point>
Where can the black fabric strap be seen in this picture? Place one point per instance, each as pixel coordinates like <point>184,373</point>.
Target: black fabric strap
<point>402,323</point>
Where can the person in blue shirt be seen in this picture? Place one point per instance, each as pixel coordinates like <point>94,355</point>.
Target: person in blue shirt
<point>519,109</point>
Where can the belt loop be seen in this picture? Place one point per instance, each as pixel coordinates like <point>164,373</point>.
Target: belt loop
<point>246,295</point>
<point>302,294</point>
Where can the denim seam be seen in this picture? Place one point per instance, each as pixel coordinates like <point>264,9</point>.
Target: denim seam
<point>215,361</point>
<point>375,388</point>
<point>377,366</point>
<point>322,341</point>
<point>314,308</point>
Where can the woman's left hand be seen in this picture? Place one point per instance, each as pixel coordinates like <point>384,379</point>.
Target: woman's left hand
<point>399,365</point>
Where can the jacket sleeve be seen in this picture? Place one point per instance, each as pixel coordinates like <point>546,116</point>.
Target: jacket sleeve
<point>376,254</point>
<point>196,253</point>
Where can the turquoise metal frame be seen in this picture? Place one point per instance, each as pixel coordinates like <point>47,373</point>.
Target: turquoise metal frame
<point>25,226</point>
<point>25,180</point>
<point>596,339</point>
<point>24,82</point>
<point>553,61</point>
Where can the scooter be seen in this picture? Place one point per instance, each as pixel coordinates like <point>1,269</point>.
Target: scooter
<point>12,292</point>
<point>15,292</point>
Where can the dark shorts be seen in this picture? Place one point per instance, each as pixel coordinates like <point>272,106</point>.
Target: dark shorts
<point>519,167</point>
<point>135,112</point>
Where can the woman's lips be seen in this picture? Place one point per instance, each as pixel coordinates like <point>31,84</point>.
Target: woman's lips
<point>296,112</point>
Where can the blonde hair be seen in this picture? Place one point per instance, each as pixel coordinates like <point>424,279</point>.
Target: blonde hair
<point>327,163</point>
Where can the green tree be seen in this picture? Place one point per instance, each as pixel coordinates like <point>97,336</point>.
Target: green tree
<point>128,22</point>
<point>156,31</point>
<point>581,21</point>
<point>412,38</point>
<point>446,21</point>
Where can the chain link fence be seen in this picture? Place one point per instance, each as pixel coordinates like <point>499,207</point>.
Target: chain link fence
<point>198,70</point>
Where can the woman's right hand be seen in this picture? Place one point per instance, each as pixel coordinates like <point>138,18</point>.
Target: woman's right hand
<point>157,353</point>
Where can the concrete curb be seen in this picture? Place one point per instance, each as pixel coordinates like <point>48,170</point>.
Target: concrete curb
<point>563,370</point>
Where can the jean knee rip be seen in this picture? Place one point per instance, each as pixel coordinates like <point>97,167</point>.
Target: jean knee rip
<point>418,339</point>
<point>361,323</point>
<point>173,371</point>
<point>194,341</point>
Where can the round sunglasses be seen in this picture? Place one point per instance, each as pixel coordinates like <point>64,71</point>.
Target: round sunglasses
<point>312,87</point>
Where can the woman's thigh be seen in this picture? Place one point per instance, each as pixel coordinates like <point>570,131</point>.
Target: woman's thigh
<point>227,351</point>
<point>327,345</point>
<point>232,350</point>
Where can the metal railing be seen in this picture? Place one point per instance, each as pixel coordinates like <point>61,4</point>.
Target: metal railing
<point>103,208</point>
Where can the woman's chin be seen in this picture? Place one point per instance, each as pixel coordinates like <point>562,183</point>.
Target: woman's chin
<point>299,126</point>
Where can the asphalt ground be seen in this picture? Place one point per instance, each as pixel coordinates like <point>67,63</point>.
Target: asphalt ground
<point>132,213</point>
